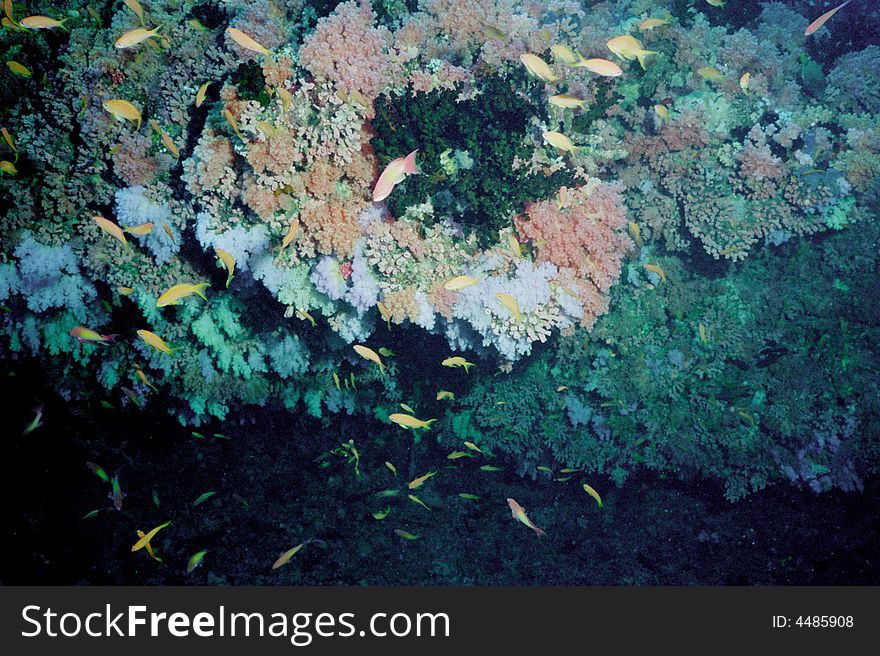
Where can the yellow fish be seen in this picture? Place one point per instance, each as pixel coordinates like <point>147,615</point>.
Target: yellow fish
<point>168,232</point>
<point>386,352</point>
<point>135,6</point>
<point>152,339</point>
<point>717,3</point>
<point>231,120</point>
<point>123,109</point>
<point>304,315</point>
<point>195,560</point>
<point>135,37</point>
<point>445,394</point>
<point>629,47</point>
<point>200,94</point>
<point>515,248</point>
<point>408,409</point>
<point>385,313</point>
<point>111,229</point>
<point>589,490</point>
<point>406,535</point>
<point>601,67</point>
<point>662,113</point>
<point>416,483</point>
<point>744,82</point>
<point>650,23</point>
<point>19,69</point>
<point>139,230</point>
<point>519,514</point>
<point>562,388</point>
<point>382,514</point>
<point>145,540</point>
<point>538,67</point>
<point>41,23</point>
<point>228,261</point>
<point>710,73</point>
<point>143,378</point>
<point>292,232</point>
<point>560,141</point>
<point>460,282</point>
<point>336,381</point>
<point>510,303</point>
<point>286,98</point>
<point>636,232</point>
<point>490,468</point>
<point>468,496</point>
<point>125,291</point>
<point>8,167</point>
<point>455,455</point>
<point>656,268</point>
<point>703,337</point>
<point>408,421</point>
<point>178,292</point>
<point>415,499</point>
<point>166,138</point>
<point>567,101</point>
<point>287,555</point>
<point>565,54</point>
<point>391,467</point>
<point>83,334</point>
<point>8,139</point>
<point>245,41</point>
<point>458,361</point>
<point>369,354</point>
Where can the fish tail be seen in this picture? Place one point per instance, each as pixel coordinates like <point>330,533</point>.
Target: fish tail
<point>428,423</point>
<point>200,289</point>
<point>539,531</point>
<point>644,55</point>
<point>409,163</point>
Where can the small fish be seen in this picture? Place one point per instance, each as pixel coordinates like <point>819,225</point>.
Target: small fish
<point>416,483</point>
<point>267,128</point>
<point>7,9</point>
<point>83,335</point>
<point>636,232</point>
<point>8,167</point>
<point>494,33</point>
<point>562,388</point>
<point>562,200</point>
<point>336,381</point>
<point>408,421</point>
<point>200,94</point>
<point>544,469</point>
<point>391,467</point>
<point>166,139</point>
<point>662,113</point>
<point>245,41</point>
<point>156,499</point>
<point>196,24</point>
<point>560,141</point>
<point>286,98</point>
<point>93,513</point>
<point>567,101</point>
<point>231,120</point>
<point>568,470</point>
<point>824,18</point>
<point>387,493</point>
<point>382,514</point>
<point>417,501</point>
<point>710,73</point>
<point>228,261</point>
<point>656,268</point>
<point>602,67</point>
<point>135,37</point>
<point>510,303</point>
<point>178,292</point>
<point>650,23</point>
<point>394,173</point>
<point>384,313</point>
<point>519,514</point>
<point>18,69</point>
<point>131,396</point>
<point>455,455</point>
<point>149,548</point>
<point>41,23</point>
<point>125,291</point>
<point>36,422</point>
<point>111,229</point>
<point>8,139</point>
<point>702,330</point>
<point>744,82</point>
<point>386,352</point>
<point>152,339</point>
<point>369,354</point>
<point>116,493</point>
<point>468,496</point>
<point>287,555</point>
<point>490,468</point>
<point>460,282</point>
<point>562,479</point>
<point>143,378</point>
<point>749,419</point>
<point>305,316</point>
<point>538,67</point>
<point>98,471</point>
<point>139,230</point>
<point>629,47</point>
<point>473,447</point>
<point>202,498</point>
<point>730,250</point>
<point>445,394</point>
<point>135,6</point>
<point>565,54</point>
<point>458,361</point>
<point>589,490</point>
<point>292,232</point>
<point>167,230</point>
<point>406,535</point>
<point>717,3</point>
<point>515,248</point>
<point>195,560</point>
<point>123,109</point>
<point>408,409</point>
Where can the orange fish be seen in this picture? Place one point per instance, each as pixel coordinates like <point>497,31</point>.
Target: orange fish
<point>519,514</point>
<point>824,18</point>
<point>83,334</point>
<point>394,173</point>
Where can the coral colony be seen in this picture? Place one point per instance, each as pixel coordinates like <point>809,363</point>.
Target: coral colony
<point>636,223</point>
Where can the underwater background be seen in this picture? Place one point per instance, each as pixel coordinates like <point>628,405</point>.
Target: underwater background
<point>440,292</point>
